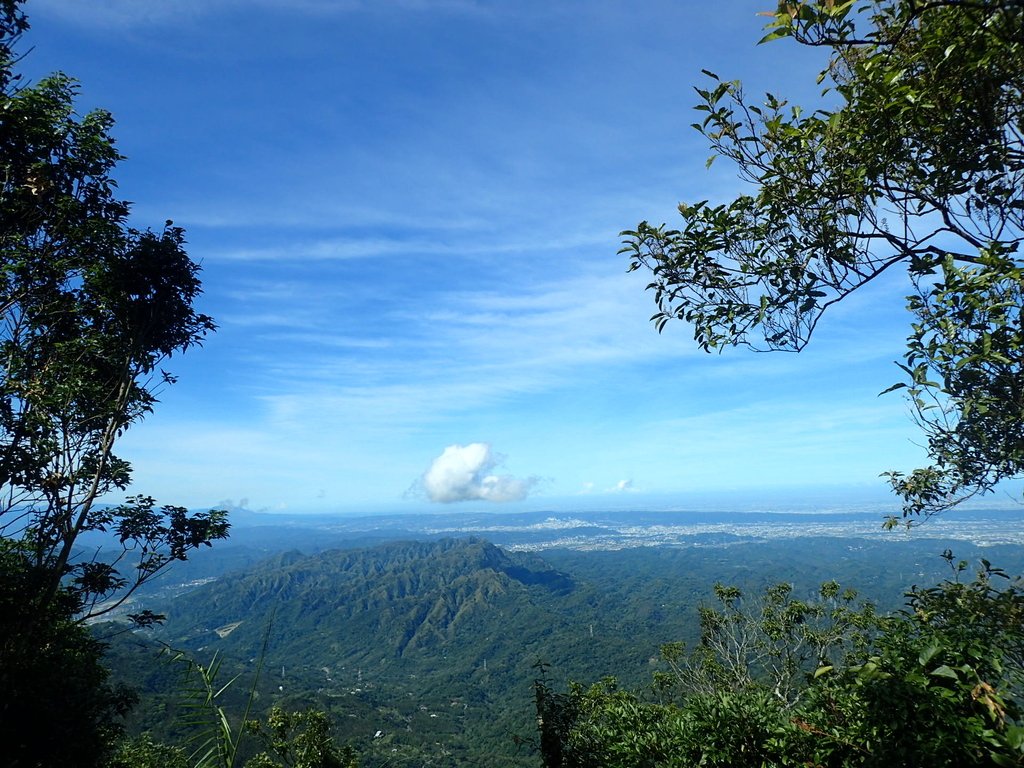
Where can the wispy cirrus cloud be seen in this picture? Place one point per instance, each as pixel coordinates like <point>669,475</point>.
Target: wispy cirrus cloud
<point>464,350</point>
<point>344,248</point>
<point>136,13</point>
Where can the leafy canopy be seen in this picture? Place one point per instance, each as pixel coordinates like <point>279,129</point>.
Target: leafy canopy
<point>919,167</point>
<point>90,309</point>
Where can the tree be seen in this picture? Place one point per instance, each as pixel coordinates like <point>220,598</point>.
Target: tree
<point>143,752</point>
<point>298,740</point>
<point>937,684</point>
<point>920,167</point>
<point>57,708</point>
<point>89,310</point>
<point>772,643</point>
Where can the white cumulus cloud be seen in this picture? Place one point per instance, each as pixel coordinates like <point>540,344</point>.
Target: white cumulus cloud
<point>466,473</point>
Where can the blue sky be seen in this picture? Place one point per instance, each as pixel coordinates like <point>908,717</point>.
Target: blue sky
<point>407,213</point>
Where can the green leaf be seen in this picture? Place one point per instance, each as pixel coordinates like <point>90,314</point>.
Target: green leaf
<point>946,672</point>
<point>929,653</point>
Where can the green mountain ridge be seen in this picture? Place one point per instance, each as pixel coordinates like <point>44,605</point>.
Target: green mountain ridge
<point>430,643</point>
<point>408,596</point>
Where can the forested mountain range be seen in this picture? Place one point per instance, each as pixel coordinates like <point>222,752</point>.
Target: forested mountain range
<point>424,651</point>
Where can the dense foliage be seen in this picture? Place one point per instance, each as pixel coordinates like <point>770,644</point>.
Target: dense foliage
<point>919,166</point>
<point>937,684</point>
<point>58,707</point>
<point>298,740</point>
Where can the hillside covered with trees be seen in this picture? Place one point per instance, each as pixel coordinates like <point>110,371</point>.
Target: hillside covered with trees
<point>437,645</point>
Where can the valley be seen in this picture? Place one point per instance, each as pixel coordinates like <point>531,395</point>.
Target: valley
<point>421,637</point>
